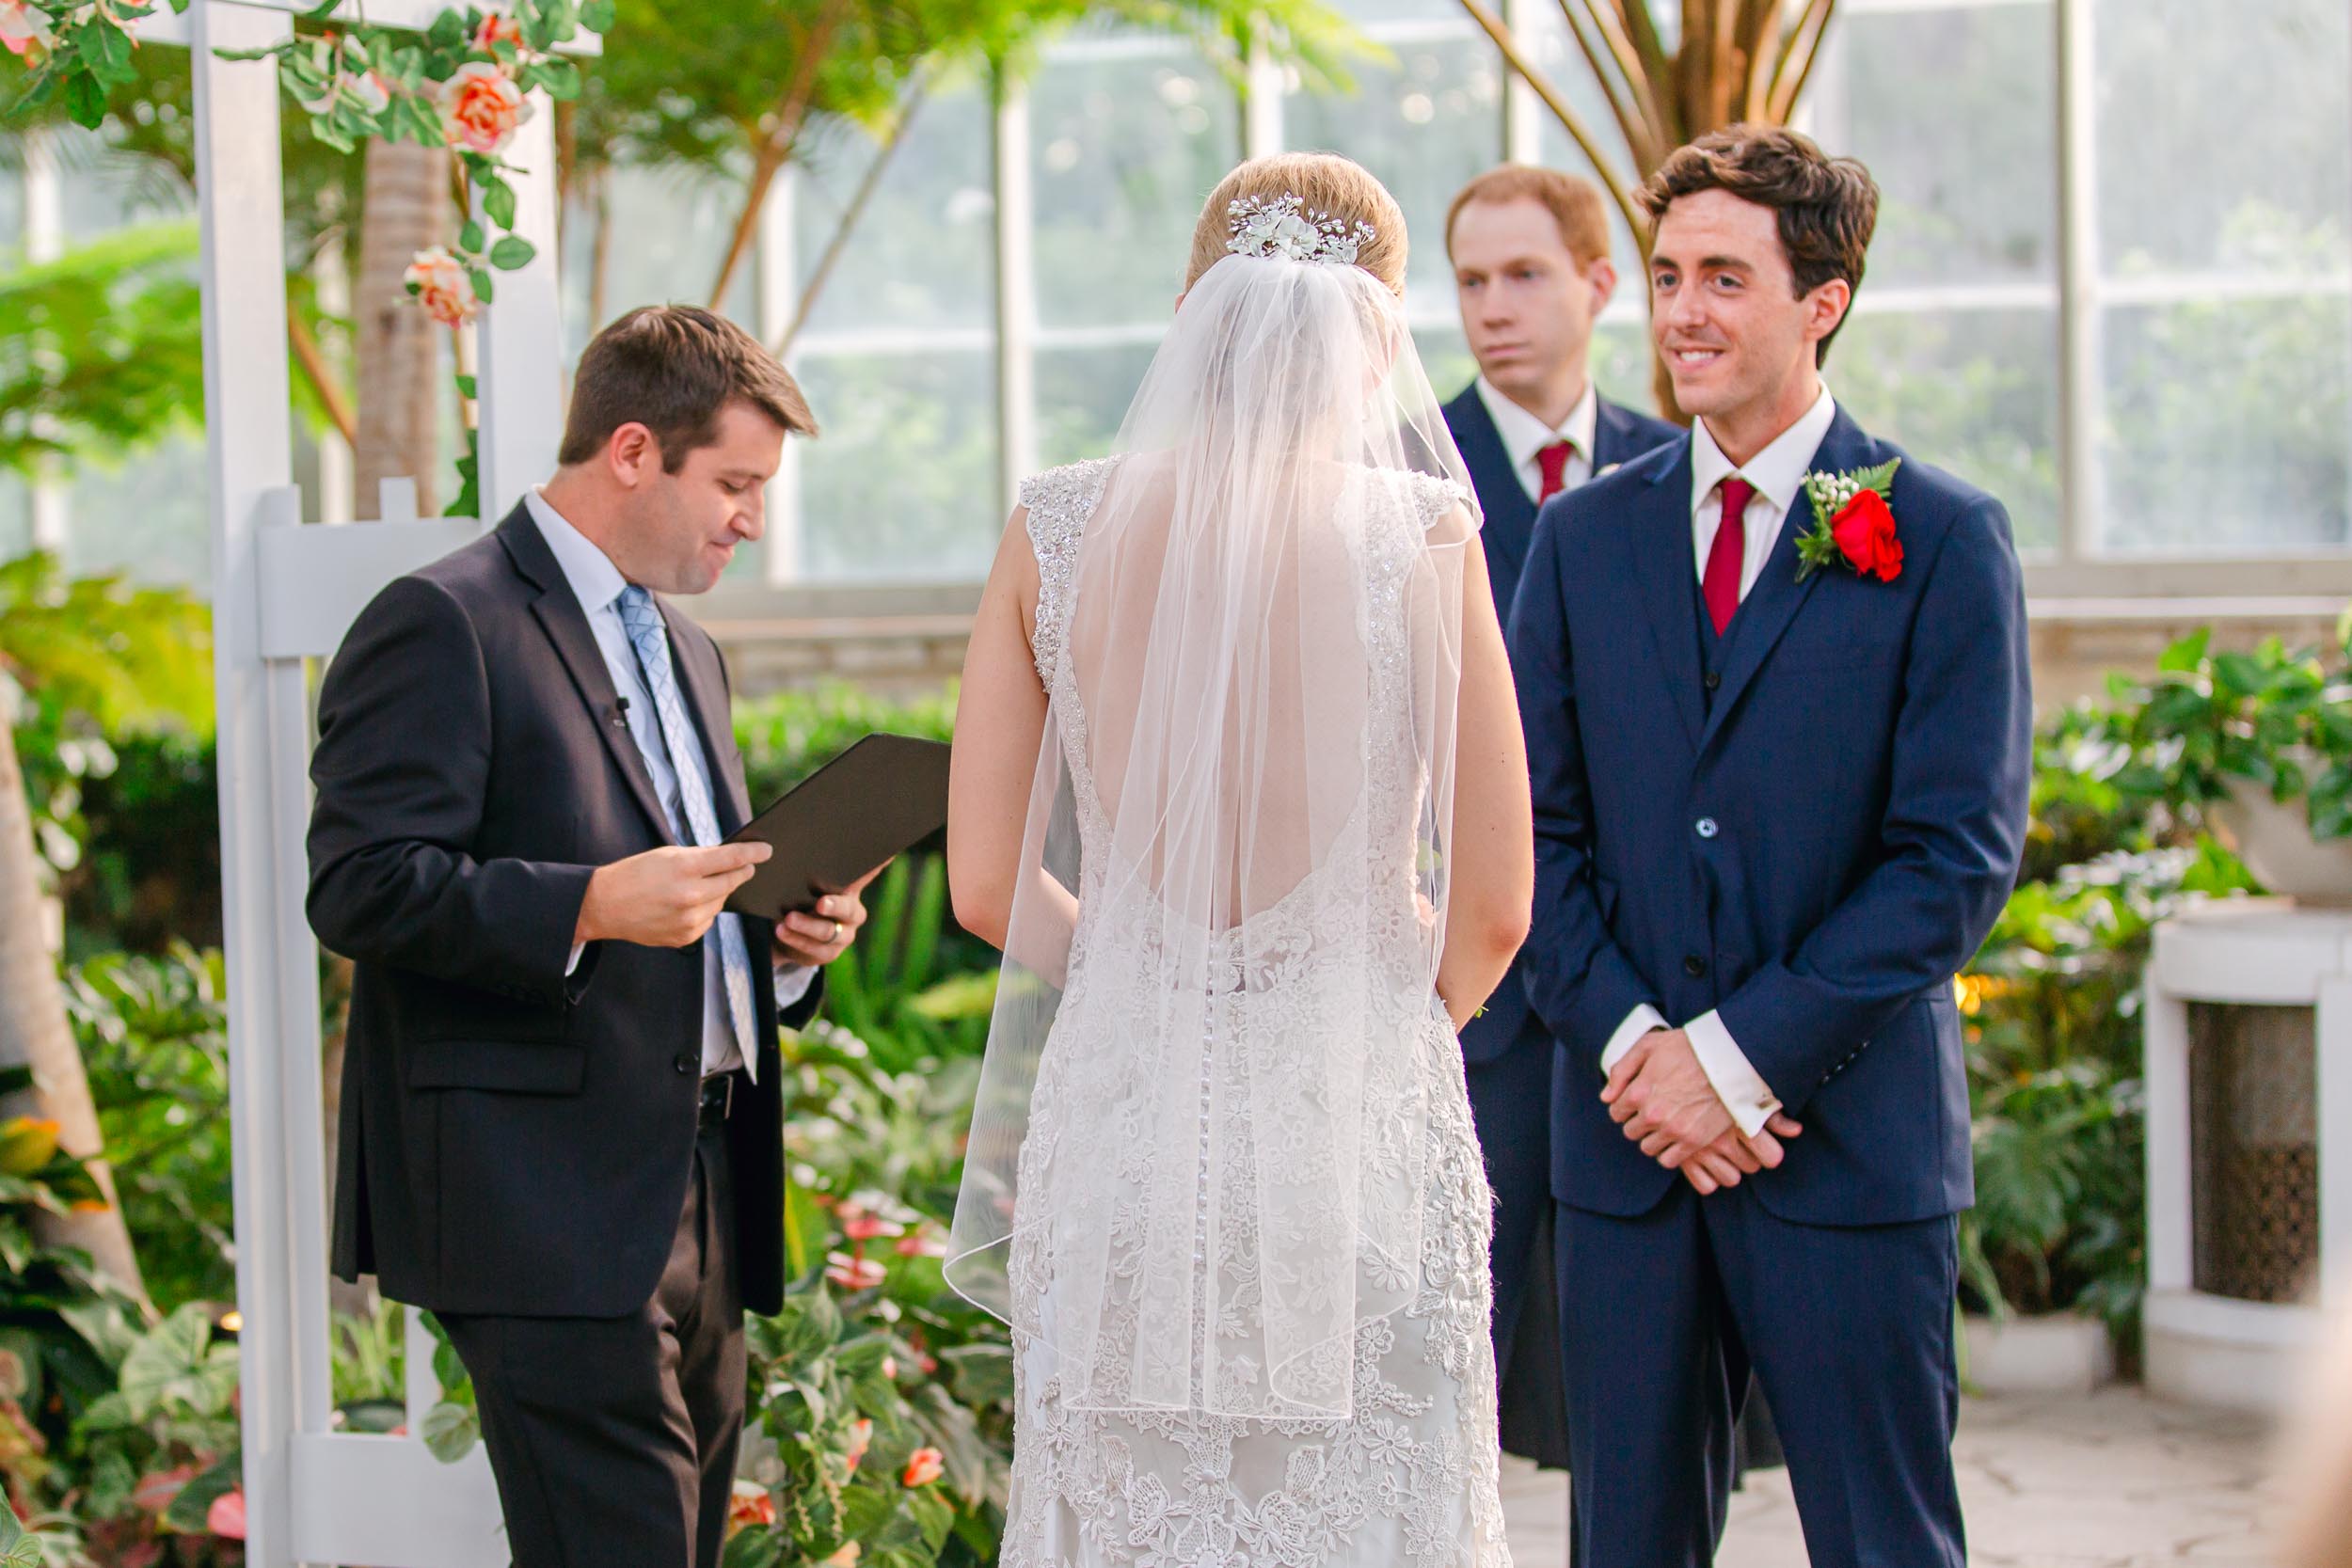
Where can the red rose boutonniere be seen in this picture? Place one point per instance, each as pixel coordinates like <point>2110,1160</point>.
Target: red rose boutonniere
<point>1851,525</point>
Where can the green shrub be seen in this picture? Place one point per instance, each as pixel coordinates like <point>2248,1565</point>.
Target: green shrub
<point>787,736</point>
<point>60,1321</point>
<point>153,1035</point>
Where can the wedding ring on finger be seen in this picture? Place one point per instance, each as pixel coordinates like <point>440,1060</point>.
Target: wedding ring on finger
<point>837,929</point>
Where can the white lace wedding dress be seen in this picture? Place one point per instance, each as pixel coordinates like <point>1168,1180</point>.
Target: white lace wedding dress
<point>1408,1479</point>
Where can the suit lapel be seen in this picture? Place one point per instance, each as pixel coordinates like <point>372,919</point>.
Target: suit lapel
<point>566,626</point>
<point>706,697</point>
<point>1660,539</point>
<point>1765,614</point>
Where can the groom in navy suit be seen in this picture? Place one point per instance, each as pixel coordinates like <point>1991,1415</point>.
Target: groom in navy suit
<point>1780,796</point>
<point>1530,249</point>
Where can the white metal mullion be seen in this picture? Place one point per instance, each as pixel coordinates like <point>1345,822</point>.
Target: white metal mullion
<point>2081,396</point>
<point>1017,295</point>
<point>1522,111</point>
<point>774,263</point>
<point>2219,288</point>
<point>273,981</point>
<point>1262,104</point>
<point>51,498</point>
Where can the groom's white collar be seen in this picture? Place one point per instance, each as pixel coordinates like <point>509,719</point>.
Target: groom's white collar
<point>1777,471</point>
<point>595,581</point>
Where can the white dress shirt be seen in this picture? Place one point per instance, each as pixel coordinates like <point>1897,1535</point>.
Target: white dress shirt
<point>1524,436</point>
<point>1778,474</point>
<point>596,583</point>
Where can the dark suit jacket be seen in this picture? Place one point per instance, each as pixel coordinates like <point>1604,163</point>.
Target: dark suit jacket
<point>514,1140</point>
<point>1619,436</point>
<point>1811,842</point>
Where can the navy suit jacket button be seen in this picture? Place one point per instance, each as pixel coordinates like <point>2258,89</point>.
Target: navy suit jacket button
<point>1714,679</point>
<point>1695,966</point>
<point>684,1063</point>
<point>1707,828</point>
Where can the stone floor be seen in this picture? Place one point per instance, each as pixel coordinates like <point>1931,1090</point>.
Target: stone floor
<point>2116,1479</point>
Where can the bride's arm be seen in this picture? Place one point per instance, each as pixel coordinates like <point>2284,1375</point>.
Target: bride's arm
<point>1492,843</point>
<point>1000,726</point>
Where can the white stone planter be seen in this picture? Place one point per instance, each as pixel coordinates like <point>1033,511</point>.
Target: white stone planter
<point>2274,839</point>
<point>2057,1354</point>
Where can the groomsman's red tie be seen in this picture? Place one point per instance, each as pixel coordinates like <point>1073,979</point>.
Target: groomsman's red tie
<point>1553,460</point>
<point>1722,582</point>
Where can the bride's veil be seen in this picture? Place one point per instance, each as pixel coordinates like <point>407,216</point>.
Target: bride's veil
<point>1197,1157</point>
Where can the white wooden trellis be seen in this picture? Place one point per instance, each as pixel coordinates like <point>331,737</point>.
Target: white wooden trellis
<point>284,593</point>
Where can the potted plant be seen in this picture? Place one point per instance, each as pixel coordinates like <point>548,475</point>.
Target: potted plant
<point>2053,1252</point>
<point>2258,745</point>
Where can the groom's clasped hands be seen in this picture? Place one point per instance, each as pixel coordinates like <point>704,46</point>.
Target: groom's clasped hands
<point>1660,1097</point>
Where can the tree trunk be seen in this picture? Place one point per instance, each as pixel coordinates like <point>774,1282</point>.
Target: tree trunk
<point>408,209</point>
<point>34,1032</point>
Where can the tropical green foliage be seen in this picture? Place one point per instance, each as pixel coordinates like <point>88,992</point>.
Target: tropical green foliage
<point>2280,719</point>
<point>158,1455</point>
<point>102,650</point>
<point>58,1317</point>
<point>101,350</point>
<point>787,736</point>
<point>154,1036</point>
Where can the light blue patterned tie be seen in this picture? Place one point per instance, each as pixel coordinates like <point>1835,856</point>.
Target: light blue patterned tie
<point>646,634</point>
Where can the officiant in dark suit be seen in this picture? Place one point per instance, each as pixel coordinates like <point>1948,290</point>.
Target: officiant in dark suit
<point>561,1110</point>
<point>1530,251</point>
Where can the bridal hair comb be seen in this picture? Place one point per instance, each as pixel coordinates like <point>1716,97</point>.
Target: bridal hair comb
<point>1284,228</point>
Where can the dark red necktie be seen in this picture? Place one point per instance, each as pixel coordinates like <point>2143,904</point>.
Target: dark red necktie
<point>1553,461</point>
<point>1720,584</point>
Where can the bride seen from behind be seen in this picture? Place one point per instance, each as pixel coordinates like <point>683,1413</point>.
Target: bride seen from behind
<point>1239,788</point>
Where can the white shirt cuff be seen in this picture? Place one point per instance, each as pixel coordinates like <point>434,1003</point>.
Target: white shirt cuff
<point>1640,1022</point>
<point>573,962</point>
<point>792,983</point>
<point>1744,1092</point>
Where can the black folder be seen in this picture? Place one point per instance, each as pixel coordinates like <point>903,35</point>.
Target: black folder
<point>881,797</point>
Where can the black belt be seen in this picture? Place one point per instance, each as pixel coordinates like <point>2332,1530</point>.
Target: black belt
<point>718,1097</point>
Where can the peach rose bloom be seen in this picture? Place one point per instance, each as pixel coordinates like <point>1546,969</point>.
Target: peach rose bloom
<point>480,106</point>
<point>22,29</point>
<point>496,30</point>
<point>750,1504</point>
<point>442,287</point>
<point>926,1467</point>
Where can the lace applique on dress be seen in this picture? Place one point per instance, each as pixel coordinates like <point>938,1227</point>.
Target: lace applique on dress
<point>1058,502</point>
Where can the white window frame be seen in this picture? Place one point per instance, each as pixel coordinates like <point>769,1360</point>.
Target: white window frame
<point>2075,570</point>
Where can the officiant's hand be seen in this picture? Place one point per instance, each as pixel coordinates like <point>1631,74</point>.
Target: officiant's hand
<point>1659,1096</point>
<point>814,941</point>
<point>665,897</point>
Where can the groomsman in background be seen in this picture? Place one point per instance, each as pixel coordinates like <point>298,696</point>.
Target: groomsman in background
<point>1530,249</point>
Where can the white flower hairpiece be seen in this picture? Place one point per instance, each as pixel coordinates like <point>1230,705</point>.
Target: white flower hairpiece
<point>1284,228</point>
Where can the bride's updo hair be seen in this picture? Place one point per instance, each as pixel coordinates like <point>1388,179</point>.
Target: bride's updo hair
<point>1327,184</point>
